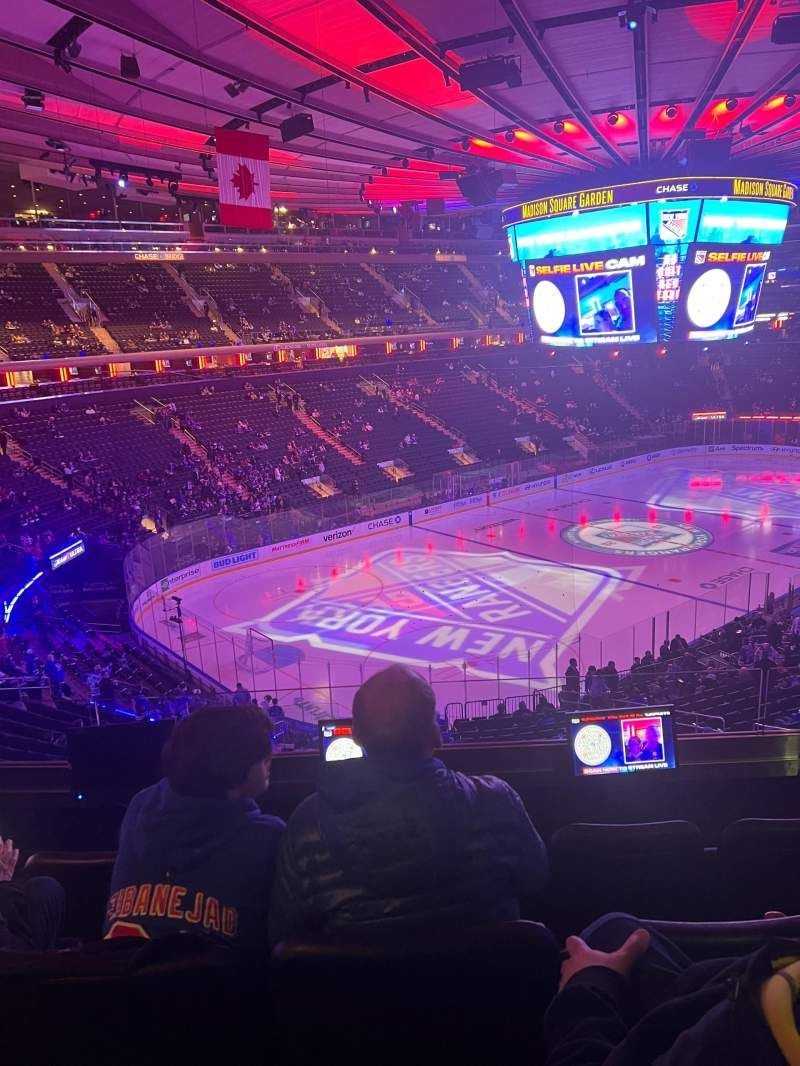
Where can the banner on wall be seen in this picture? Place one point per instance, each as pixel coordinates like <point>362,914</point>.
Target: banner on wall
<point>243,176</point>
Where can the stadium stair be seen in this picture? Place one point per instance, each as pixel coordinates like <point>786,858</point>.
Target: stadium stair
<point>145,414</point>
<point>501,305</point>
<point>400,298</point>
<point>17,454</point>
<point>417,412</point>
<point>71,304</point>
<point>611,391</point>
<point>196,301</point>
<point>105,338</point>
<point>314,427</point>
<point>314,306</point>
<point>484,377</point>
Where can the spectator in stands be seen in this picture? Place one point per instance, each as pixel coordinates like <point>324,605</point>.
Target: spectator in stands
<point>31,910</point>
<point>241,696</point>
<point>587,681</point>
<point>572,677</point>
<point>397,840</point>
<point>3,442</point>
<point>629,996</point>
<point>677,646</point>
<point>664,652</point>
<point>775,633</point>
<point>55,674</point>
<point>196,855</point>
<point>141,704</point>
<point>598,690</point>
<point>611,677</point>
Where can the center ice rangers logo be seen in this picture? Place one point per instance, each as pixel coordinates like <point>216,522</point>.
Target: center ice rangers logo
<point>446,608</point>
<point>632,537</point>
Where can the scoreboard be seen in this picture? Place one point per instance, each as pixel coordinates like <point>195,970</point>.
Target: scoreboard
<point>648,262</point>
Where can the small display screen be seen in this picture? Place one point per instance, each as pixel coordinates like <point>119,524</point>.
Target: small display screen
<point>622,742</point>
<point>66,555</point>
<point>605,303</point>
<point>336,741</point>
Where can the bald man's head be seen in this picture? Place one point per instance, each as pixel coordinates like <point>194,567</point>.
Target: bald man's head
<point>394,714</point>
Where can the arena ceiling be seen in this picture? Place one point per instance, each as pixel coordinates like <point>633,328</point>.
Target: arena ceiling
<point>381,80</point>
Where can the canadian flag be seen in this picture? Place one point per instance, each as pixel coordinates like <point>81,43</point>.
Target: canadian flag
<point>243,176</point>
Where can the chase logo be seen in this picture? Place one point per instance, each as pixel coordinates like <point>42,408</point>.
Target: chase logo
<point>446,609</point>
<point>632,537</point>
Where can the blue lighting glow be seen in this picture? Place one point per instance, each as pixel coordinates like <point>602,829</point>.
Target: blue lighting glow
<point>9,606</point>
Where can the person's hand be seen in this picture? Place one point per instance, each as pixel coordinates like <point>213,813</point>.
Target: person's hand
<point>8,859</point>
<point>621,961</point>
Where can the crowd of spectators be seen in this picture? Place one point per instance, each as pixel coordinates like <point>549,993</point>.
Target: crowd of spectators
<point>32,321</point>
<point>144,307</point>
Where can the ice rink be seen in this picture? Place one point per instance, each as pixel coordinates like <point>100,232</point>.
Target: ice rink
<point>493,601</point>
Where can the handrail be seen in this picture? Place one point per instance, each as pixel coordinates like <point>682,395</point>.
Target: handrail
<point>716,719</point>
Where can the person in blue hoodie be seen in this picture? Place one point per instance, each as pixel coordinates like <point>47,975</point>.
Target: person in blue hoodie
<point>395,839</point>
<point>196,855</point>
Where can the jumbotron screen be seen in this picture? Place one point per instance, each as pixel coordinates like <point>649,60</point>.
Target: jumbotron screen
<point>648,262</point>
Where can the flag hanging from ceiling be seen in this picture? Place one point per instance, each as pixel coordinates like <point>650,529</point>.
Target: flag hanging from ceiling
<point>243,176</point>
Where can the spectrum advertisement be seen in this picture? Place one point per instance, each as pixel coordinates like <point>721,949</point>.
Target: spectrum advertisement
<point>648,262</point>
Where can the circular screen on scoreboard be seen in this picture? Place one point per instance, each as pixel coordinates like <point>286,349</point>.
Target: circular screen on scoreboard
<point>708,298</point>
<point>592,745</point>
<point>549,308</point>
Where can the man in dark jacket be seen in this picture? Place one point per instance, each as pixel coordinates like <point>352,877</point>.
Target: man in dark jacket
<point>196,855</point>
<point>396,840</point>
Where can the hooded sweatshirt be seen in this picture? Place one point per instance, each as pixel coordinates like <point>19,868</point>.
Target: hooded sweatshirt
<point>193,865</point>
<point>404,842</point>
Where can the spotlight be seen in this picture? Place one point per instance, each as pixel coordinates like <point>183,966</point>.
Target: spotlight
<point>613,118</point>
<point>465,143</point>
<point>731,103</point>
<point>149,181</point>
<point>236,88</point>
<point>633,15</point>
<point>122,180</point>
<point>509,136</point>
<point>405,163</point>
<point>671,111</point>
<point>98,173</point>
<point>129,67</point>
<point>33,100</point>
<point>172,188</point>
<point>65,42</point>
<point>558,126</point>
<point>789,100</point>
